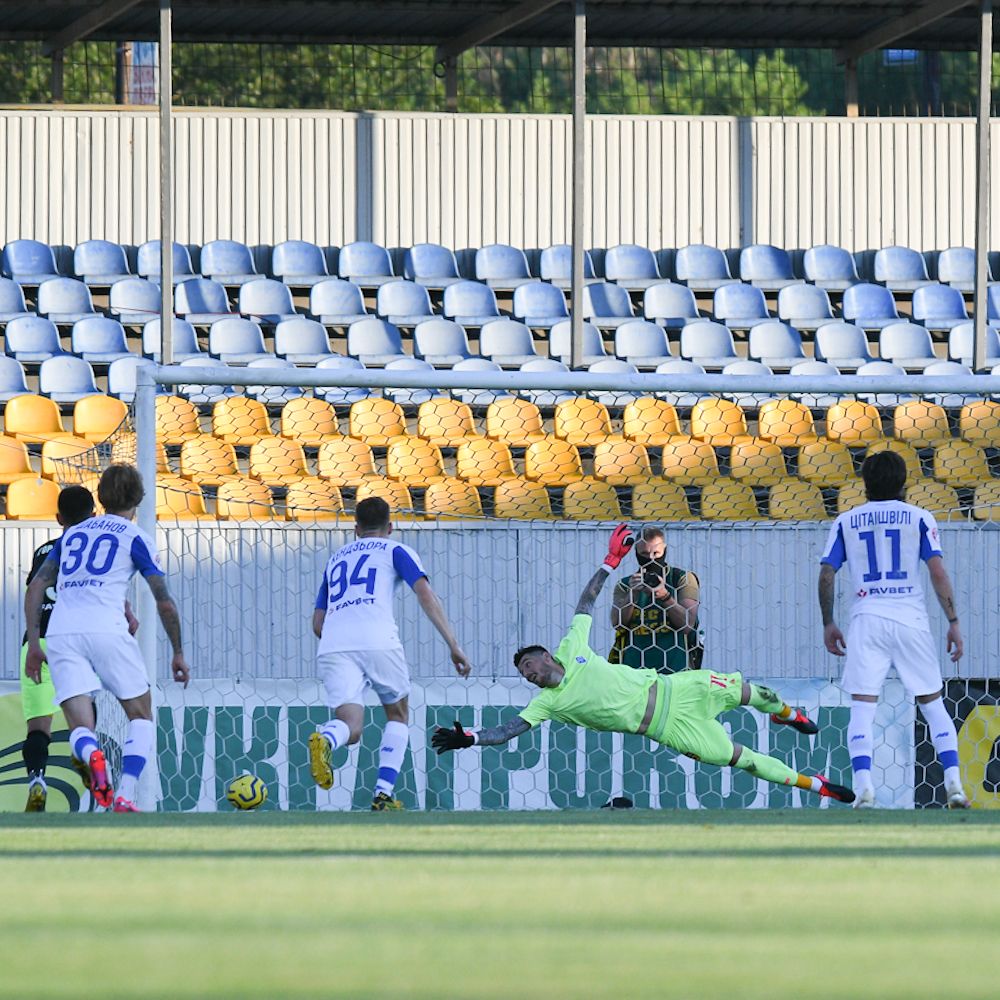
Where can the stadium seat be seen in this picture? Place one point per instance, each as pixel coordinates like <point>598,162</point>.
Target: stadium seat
<point>642,344</point>
<point>452,499</point>
<point>905,450</point>
<point>825,463</point>
<point>708,344</point>
<point>12,304</point>
<point>32,419</point>
<point>377,421</point>
<point>228,262</point>
<point>854,423</point>
<point>607,305</point>
<point>345,461</point>
<point>200,392</point>
<point>561,343</point>
<point>537,304</point>
<point>880,368</point>
<point>64,300</point>
<point>33,499</point>
<point>32,339</point>
<point>650,421</point>
<point>98,262</point>
<point>795,500</point>
<point>99,340</point>
<point>788,423</point>
<point>961,464</point>
<point>176,420</point>
<point>266,301</point>
<point>185,341</point>
<point>555,265</point>
<point>986,502</point>
<point>920,423</point>
<point>521,500</point>
<point>956,266</point>
<point>748,400</point>
<point>842,344</point>
<point>720,422</point>
<point>236,341</point>
<point>688,461</point>
<point>273,395</point>
<point>484,462</point>
<point>374,342</point>
<point>941,500</point>
<point>728,500</point>
<point>545,397</point>
<point>337,303</point>
<point>613,397</point>
<point>470,303</point>
<point>507,343</point>
<point>278,461</point>
<point>501,266</point>
<point>960,344</point>
<point>805,307</point>
<point>757,462</point>
<point>302,341</point>
<point>478,397</point>
<point>364,263</point>
<point>850,495</point>
<point>906,345</point>
<point>313,500</point>
<point>299,264</point>
<point>96,418</point>
<point>776,345</point>
<point>148,262</point>
<point>405,396</point>
<point>830,268</point>
<point>702,268</point>
<point>740,307</point>
<point>582,421</point>
<point>871,307</point>
<point>14,461</point>
<point>431,264</point>
<point>939,307</point>
<point>309,421</point>
<point>900,268</point>
<point>240,420</point>
<point>658,500</point>
<point>631,266</point>
<point>440,342</point>
<point>244,500</point>
<point>134,301</point>
<point>68,460</point>
<point>395,493</point>
<point>403,303</point>
<point>979,423</point>
<point>621,463</point>
<point>516,422</point>
<point>590,500</point>
<point>676,366</point>
<point>28,262</point>
<point>670,305</point>
<point>767,267</point>
<point>953,400</point>
<point>552,462</point>
<point>12,379</point>
<point>208,461</point>
<point>201,301</point>
<point>445,422</point>
<point>341,395</point>
<point>66,379</point>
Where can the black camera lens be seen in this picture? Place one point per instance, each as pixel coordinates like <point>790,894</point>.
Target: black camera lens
<point>652,577</point>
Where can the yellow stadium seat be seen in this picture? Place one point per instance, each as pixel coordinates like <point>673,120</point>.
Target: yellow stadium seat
<point>414,461</point>
<point>552,462</point>
<point>207,461</point>
<point>14,460</point>
<point>979,423</point>
<point>452,498</point>
<point>394,493</point>
<point>920,423</point>
<point>728,500</point>
<point>591,500</point>
<point>986,501</point>
<point>796,500</point>
<point>850,495</point>
<point>854,423</point>
<point>32,419</point>
<point>517,422</point>
<point>757,462</point>
<point>345,461</point>
<point>313,500</point>
<point>941,500</point>
<point>176,420</point>
<point>309,421</point>
<point>32,500</point>
<point>582,421</point>
<point>278,461</point>
<point>689,462</point>
<point>906,451</point>
<point>446,422</point>
<point>522,500</point>
<point>961,464</point>
<point>621,463</point>
<point>377,421</point>
<point>96,418</point>
<point>68,460</point>
<point>124,449</point>
<point>484,462</point>
<point>178,499</point>
<point>650,421</point>
<point>659,500</point>
<point>244,500</point>
<point>720,422</point>
<point>786,422</point>
<point>240,420</point>
<point>826,463</point>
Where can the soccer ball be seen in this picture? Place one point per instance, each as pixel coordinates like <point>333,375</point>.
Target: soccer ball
<point>246,791</point>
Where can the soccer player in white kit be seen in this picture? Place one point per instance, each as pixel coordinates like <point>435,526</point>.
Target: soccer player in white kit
<point>88,640</point>
<point>359,645</point>
<point>883,543</point>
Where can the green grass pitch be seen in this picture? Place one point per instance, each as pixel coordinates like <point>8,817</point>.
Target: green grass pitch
<point>808,903</point>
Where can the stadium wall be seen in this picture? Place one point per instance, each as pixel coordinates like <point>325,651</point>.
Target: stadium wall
<point>68,175</point>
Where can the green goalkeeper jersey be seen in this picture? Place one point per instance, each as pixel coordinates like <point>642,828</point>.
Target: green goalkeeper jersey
<point>593,693</point>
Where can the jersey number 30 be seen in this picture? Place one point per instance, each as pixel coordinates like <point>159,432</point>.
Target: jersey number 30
<point>339,580</point>
<point>100,554</point>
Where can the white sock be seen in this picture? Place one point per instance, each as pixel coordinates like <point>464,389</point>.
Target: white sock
<point>337,733</point>
<point>395,736</point>
<point>83,742</point>
<point>140,738</point>
<point>945,741</point>
<point>860,741</point>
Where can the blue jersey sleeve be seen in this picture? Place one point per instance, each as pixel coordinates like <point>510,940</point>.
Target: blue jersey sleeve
<point>322,598</point>
<point>930,544</point>
<point>55,552</point>
<point>836,551</point>
<point>145,562</point>
<point>406,566</point>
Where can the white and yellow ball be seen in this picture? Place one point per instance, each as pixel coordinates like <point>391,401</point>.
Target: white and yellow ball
<point>246,791</point>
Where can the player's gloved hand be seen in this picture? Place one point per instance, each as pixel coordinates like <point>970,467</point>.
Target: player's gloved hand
<point>621,542</point>
<point>445,740</point>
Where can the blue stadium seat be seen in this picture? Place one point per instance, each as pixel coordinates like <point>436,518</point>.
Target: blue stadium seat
<point>880,399</point>
<point>298,264</point>
<point>99,262</point>
<point>842,344</point>
<point>806,307</point>
<point>121,378</point>
<point>708,344</point>
<point>613,397</point>
<point>642,344</point>
<point>374,342</point>
<point>410,397</point>
<point>907,345</point>
<point>748,400</point>
<point>993,305</point>
<point>776,345</point>
<point>677,366</point>
<point>869,306</point>
<point>235,340</point>
<point>607,305</point>
<point>951,400</point>
<point>900,268</point>
<point>341,395</point>
<point>441,342</point>
<point>830,267</point>
<point>502,266</point>
<point>148,262</point>
<point>273,395</point>
<point>99,340</point>
<point>64,300</point>
<point>366,264</point>
<point>470,303</point>
<point>28,262</point>
<point>228,262</point>
<point>12,381</point>
<point>739,306</point>
<point>815,401</point>
<point>939,307</point>
<point>302,341</point>
<point>432,265</point>
<point>204,394</point>
<point>507,342</point>
<point>631,266</point>
<point>561,343</point>
<point>134,301</point>
<point>538,304</point>
<point>545,397</point>
<point>670,305</point>
<point>478,397</point>
<point>556,265</point>
<point>201,301</point>
<point>956,266</point>
<point>960,344</point>
<point>185,341</point>
<point>66,379</point>
<point>702,268</point>
<point>403,303</point>
<point>767,267</point>
<point>335,302</point>
<point>12,302</point>
<point>266,301</point>
<point>32,339</point>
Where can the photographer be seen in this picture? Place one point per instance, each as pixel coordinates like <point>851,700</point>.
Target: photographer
<point>655,611</point>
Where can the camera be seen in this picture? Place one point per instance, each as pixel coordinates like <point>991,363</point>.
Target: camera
<point>652,576</point>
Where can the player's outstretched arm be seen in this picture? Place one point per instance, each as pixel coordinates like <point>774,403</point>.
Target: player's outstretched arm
<point>434,610</point>
<point>619,544</point>
<point>833,638</point>
<point>457,738</point>
<point>167,610</point>
<point>33,599</point>
<point>941,582</point>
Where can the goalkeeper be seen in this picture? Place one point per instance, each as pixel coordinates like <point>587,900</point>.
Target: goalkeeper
<point>678,710</point>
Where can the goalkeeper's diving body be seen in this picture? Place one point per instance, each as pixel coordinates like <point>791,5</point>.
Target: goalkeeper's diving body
<point>678,710</point>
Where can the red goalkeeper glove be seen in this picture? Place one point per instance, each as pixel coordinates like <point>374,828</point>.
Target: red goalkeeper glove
<point>621,542</point>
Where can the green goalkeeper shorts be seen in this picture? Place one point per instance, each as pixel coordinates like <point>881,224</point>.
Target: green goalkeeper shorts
<point>37,700</point>
<point>691,726</point>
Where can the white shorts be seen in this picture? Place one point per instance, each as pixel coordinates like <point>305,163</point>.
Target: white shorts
<point>80,664</point>
<point>345,675</point>
<point>874,644</point>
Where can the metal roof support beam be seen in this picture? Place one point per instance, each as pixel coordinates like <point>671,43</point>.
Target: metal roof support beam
<point>979,307</point>
<point>490,27</point>
<point>86,25</point>
<point>887,33</point>
<point>579,181</point>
